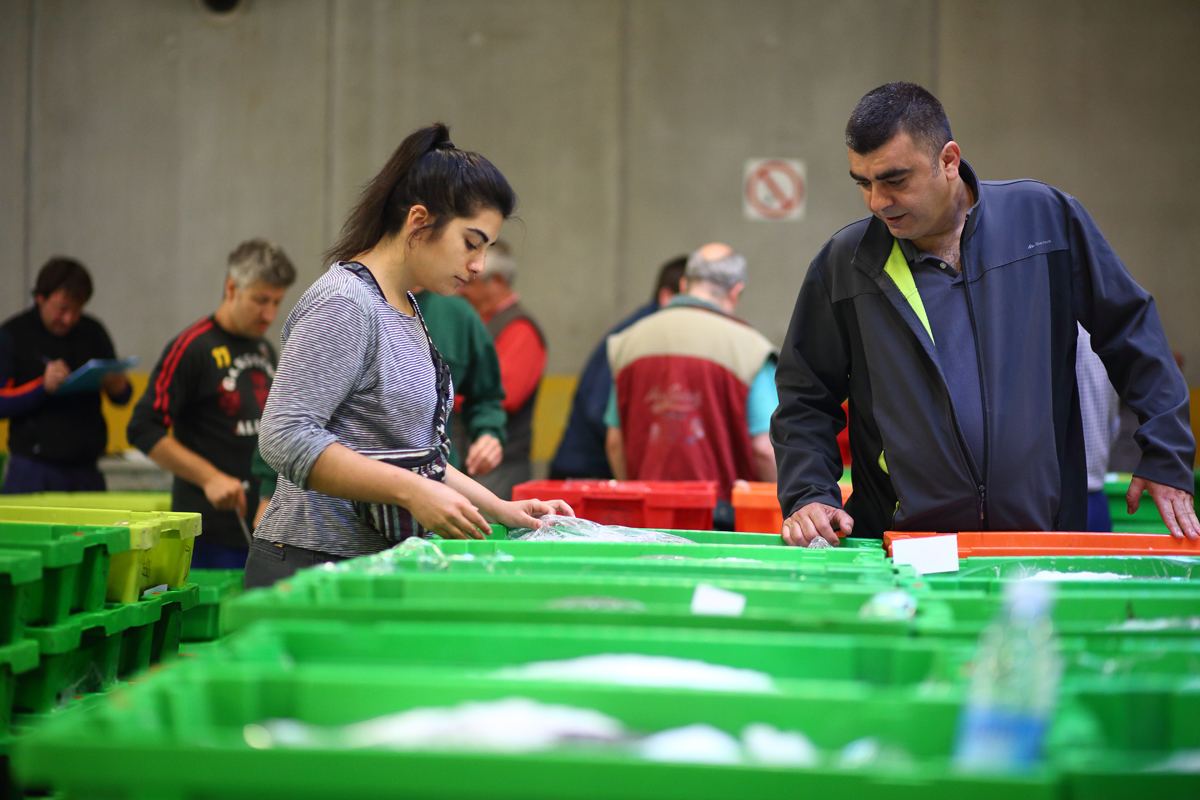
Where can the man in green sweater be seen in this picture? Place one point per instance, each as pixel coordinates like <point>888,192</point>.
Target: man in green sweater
<point>462,340</point>
<point>464,343</point>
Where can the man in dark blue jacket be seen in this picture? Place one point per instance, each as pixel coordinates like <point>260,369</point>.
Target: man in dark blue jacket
<point>581,452</point>
<point>948,318</point>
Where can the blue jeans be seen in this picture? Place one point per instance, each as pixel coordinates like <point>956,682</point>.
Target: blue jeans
<point>1098,518</point>
<point>210,555</point>
<point>27,475</point>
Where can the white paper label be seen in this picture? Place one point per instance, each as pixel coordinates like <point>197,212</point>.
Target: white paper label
<point>927,554</point>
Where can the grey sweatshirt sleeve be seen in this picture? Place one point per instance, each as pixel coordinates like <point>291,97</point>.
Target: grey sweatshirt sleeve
<point>327,346</point>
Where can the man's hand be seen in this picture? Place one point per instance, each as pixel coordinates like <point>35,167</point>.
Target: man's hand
<point>813,520</point>
<point>114,383</point>
<point>1176,507</point>
<point>485,455</point>
<point>225,492</point>
<point>56,372</point>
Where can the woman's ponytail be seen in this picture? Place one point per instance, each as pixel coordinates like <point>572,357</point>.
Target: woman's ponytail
<point>426,169</point>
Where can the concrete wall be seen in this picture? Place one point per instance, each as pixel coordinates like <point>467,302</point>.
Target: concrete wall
<point>147,137</point>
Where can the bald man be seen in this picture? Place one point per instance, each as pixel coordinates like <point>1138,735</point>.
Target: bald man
<point>694,385</point>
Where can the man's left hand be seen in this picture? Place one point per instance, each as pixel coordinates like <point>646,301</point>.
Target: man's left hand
<point>1176,507</point>
<point>485,455</point>
<point>114,383</point>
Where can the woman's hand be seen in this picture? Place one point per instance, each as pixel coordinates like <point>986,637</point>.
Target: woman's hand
<point>527,513</point>
<point>447,513</point>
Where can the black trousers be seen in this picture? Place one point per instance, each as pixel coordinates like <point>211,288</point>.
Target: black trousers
<point>271,561</point>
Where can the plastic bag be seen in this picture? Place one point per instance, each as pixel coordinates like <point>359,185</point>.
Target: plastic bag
<point>510,725</point>
<point>819,543</point>
<point>635,669</point>
<point>891,605</point>
<point>556,528</point>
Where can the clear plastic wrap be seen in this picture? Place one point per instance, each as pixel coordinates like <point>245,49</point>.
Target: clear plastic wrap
<point>421,554</point>
<point>819,543</point>
<point>556,528</point>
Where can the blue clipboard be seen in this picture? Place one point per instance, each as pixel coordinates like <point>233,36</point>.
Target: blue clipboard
<point>87,378</point>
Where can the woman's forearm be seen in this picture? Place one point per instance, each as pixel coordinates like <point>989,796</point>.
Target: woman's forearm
<point>480,496</point>
<point>341,472</point>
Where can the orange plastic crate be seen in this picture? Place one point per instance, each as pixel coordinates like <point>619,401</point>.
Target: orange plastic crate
<point>756,507</point>
<point>997,544</point>
<point>676,505</point>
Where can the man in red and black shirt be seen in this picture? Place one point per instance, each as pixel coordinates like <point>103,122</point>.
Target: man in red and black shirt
<point>55,439</point>
<point>199,416</point>
<point>521,348</point>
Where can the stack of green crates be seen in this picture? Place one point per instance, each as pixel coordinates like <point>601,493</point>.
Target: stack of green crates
<point>414,628</point>
<point>62,635</point>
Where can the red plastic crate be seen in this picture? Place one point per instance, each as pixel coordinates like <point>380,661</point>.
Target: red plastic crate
<point>676,505</point>
<point>756,507</point>
<point>998,544</point>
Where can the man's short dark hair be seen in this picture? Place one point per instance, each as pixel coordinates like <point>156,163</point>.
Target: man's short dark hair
<point>64,273</point>
<point>670,276</point>
<point>895,107</point>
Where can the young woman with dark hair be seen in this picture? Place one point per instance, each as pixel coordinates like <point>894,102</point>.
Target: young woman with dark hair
<point>356,421</point>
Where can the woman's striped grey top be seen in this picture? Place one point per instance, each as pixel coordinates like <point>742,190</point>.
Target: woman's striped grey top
<point>352,370</point>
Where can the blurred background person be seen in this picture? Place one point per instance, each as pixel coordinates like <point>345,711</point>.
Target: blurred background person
<point>1099,408</point>
<point>200,414</point>
<point>581,452</point>
<point>521,348</point>
<point>55,440</point>
<point>479,421</point>
<point>695,387</point>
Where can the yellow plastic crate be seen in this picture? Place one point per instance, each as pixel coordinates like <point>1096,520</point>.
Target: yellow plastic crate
<point>160,544</point>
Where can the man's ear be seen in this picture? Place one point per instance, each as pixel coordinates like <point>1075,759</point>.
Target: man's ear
<point>231,288</point>
<point>736,292</point>
<point>949,159</point>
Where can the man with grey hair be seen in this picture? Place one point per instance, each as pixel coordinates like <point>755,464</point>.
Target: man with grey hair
<point>694,386</point>
<point>199,415</point>
<point>521,350</point>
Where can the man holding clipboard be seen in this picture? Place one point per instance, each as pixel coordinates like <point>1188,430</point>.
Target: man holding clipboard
<point>56,429</point>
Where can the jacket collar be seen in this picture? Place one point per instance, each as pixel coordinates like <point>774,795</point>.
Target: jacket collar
<point>875,246</point>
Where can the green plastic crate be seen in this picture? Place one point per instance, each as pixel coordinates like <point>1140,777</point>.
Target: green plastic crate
<point>760,550</point>
<point>76,561</point>
<point>336,593</point>
<point>92,651</point>
<point>202,622</point>
<point>500,532</point>
<point>119,501</point>
<point>79,656</point>
<point>1171,574</point>
<point>15,659</point>
<point>181,732</point>
<point>155,634</point>
<point>19,570</point>
<point>479,649</point>
<point>674,560</point>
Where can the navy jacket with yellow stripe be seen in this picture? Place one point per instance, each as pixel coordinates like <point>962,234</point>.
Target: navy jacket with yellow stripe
<point>1035,263</point>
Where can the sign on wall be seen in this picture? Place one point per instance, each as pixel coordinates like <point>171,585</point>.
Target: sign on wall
<point>773,189</point>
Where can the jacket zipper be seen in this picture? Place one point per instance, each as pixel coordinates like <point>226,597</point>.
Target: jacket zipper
<point>981,489</point>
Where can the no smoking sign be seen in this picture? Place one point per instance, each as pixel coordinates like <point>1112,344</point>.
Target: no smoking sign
<point>773,189</point>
